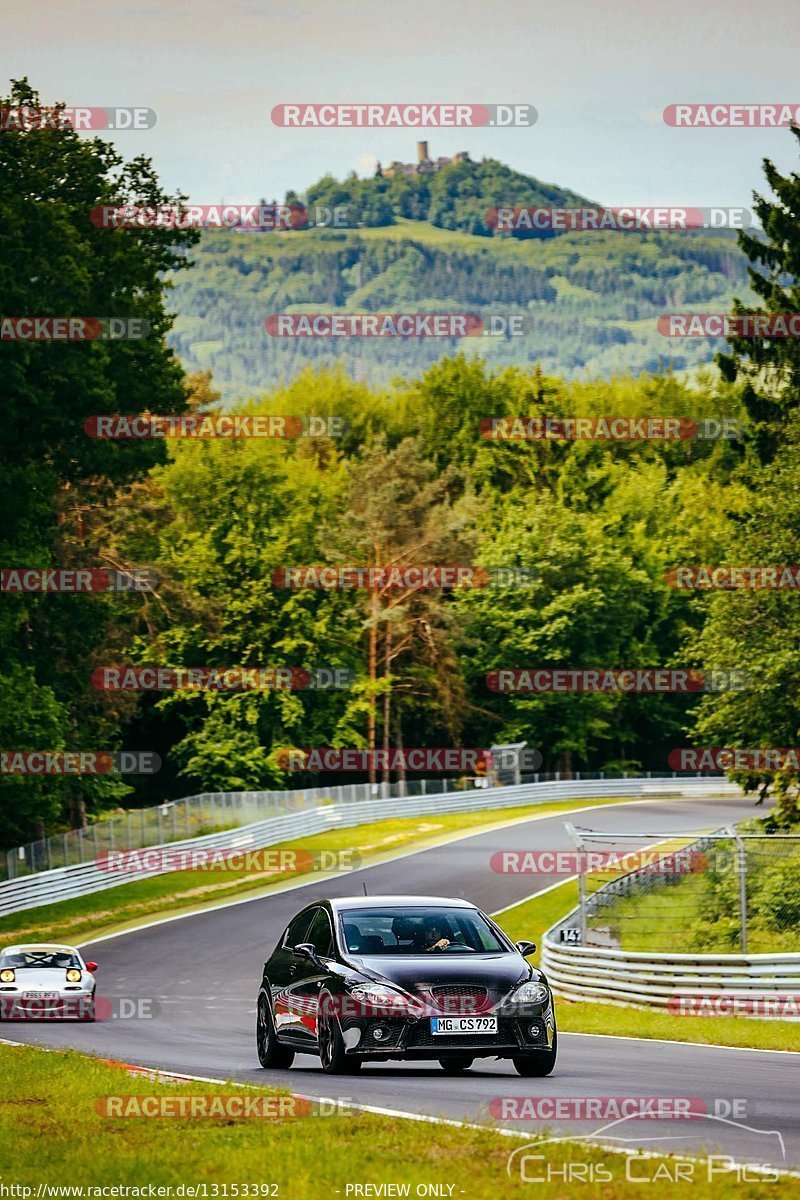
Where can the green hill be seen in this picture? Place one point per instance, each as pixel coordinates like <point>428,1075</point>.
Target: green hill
<point>591,299</point>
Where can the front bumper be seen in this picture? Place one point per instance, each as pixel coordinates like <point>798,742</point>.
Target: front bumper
<point>19,1006</point>
<point>412,1038</point>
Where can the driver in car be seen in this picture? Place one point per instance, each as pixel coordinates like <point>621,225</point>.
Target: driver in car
<point>435,936</point>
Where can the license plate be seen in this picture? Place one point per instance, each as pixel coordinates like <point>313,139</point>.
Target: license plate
<point>48,996</point>
<point>463,1024</point>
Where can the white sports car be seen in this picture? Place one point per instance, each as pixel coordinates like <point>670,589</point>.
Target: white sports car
<point>46,982</point>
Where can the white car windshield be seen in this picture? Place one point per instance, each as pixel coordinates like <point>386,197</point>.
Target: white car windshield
<point>58,959</point>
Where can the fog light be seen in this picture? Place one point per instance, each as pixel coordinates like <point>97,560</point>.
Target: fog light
<point>379,1034</point>
<point>534,1031</point>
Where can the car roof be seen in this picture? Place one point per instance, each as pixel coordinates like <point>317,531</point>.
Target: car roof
<point>24,947</point>
<point>342,902</point>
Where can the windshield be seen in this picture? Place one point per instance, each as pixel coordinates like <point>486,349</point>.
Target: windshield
<point>58,959</point>
<point>418,931</point>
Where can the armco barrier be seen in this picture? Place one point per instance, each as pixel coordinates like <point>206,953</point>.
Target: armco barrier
<point>66,883</point>
<point>656,979</point>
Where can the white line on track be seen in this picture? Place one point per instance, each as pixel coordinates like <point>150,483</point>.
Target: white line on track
<point>377,1110</point>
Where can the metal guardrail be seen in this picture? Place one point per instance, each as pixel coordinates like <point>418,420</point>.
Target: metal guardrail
<point>660,979</point>
<point>193,816</point>
<point>82,879</point>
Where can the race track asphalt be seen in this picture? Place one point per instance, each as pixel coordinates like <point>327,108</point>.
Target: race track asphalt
<point>203,971</point>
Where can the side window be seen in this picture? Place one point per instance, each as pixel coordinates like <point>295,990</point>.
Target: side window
<point>297,929</point>
<point>320,934</point>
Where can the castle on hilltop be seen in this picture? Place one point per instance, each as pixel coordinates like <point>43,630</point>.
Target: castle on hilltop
<point>423,166</point>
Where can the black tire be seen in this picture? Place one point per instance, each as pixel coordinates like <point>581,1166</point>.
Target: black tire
<point>270,1052</point>
<point>456,1064</point>
<point>333,1057</point>
<point>538,1064</point>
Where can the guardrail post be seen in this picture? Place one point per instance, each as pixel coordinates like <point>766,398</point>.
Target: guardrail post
<point>576,837</point>
<point>742,871</point>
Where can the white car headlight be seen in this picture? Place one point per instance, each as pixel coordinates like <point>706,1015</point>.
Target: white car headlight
<point>530,993</point>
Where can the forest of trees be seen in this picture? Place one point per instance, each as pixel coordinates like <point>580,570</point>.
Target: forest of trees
<point>411,480</point>
<point>579,322</point>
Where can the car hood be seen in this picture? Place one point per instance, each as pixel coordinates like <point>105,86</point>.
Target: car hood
<point>498,972</point>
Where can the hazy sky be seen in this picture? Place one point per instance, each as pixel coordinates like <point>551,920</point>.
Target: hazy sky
<point>599,73</point>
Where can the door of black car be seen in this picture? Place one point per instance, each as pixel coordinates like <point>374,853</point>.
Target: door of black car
<point>282,971</point>
<point>310,976</point>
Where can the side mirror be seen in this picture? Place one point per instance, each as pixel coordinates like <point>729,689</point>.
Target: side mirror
<point>91,966</point>
<point>526,948</point>
<point>306,950</point>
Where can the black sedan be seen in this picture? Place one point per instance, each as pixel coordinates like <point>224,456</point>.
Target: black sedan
<point>372,978</point>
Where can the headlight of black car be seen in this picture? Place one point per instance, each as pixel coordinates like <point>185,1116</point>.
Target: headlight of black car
<point>378,999</point>
<point>529,994</point>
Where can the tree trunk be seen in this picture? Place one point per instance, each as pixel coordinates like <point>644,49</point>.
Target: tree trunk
<point>401,767</point>
<point>564,766</point>
<point>387,702</point>
<point>373,671</point>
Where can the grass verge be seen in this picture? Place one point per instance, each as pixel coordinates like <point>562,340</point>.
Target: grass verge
<point>533,917</point>
<point>52,1133</point>
<point>130,904</point>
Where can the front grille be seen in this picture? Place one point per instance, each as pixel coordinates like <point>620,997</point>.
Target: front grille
<point>459,998</point>
<point>421,1038</point>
